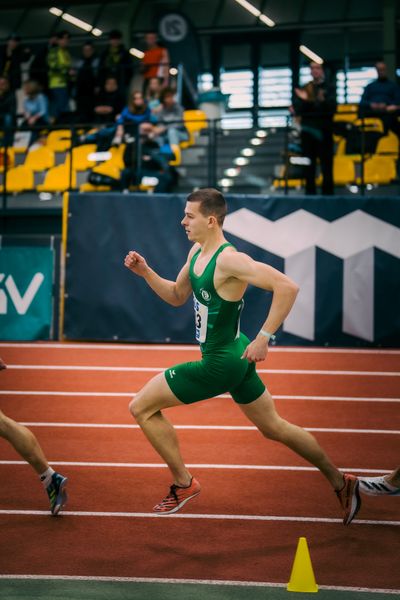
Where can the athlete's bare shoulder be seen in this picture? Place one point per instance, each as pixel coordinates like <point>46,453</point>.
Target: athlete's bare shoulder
<point>196,246</point>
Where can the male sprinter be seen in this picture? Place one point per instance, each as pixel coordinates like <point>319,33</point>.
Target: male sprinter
<point>26,444</point>
<point>218,276</point>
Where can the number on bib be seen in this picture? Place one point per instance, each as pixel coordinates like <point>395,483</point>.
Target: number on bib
<point>200,319</point>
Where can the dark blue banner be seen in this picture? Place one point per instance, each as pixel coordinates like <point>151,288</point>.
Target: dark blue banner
<point>343,252</point>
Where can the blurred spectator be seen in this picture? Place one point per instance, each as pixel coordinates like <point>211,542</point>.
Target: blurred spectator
<point>153,92</point>
<point>135,113</point>
<point>86,83</point>
<point>153,164</point>
<point>108,102</point>
<point>381,98</point>
<point>7,111</point>
<point>38,69</point>
<point>12,55</point>
<point>116,62</point>
<point>35,109</point>
<point>59,62</point>
<point>315,104</point>
<point>155,62</point>
<point>170,119</point>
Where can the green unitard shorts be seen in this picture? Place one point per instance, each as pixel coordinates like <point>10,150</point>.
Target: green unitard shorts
<point>217,324</point>
<point>216,373</point>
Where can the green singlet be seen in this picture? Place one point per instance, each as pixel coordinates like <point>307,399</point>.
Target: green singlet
<point>221,368</point>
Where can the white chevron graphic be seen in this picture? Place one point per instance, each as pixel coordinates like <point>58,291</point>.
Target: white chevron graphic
<point>295,238</point>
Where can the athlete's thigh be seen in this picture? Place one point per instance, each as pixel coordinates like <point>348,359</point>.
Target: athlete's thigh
<point>261,412</point>
<point>154,396</point>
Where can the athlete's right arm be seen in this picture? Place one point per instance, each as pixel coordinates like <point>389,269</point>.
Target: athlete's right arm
<point>173,292</point>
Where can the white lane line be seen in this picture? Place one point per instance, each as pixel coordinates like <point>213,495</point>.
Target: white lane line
<point>220,517</point>
<point>166,580</point>
<point>204,427</point>
<point>194,348</point>
<point>124,465</point>
<point>130,394</point>
<point>160,369</point>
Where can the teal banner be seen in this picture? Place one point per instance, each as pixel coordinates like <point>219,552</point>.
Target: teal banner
<point>26,284</point>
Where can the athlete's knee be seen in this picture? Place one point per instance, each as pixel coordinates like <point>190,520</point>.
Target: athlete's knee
<point>4,425</point>
<point>275,429</point>
<point>139,409</point>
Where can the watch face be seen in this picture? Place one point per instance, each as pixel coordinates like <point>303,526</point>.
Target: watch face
<point>173,27</point>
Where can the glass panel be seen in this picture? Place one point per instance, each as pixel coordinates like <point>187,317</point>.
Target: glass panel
<point>275,87</point>
<point>350,85</point>
<point>239,86</point>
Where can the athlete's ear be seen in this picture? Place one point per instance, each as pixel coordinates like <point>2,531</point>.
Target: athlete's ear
<point>212,221</point>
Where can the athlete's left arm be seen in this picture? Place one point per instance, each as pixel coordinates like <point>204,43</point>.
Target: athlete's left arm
<point>284,290</point>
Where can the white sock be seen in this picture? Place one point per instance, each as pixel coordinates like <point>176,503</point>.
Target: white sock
<point>45,477</point>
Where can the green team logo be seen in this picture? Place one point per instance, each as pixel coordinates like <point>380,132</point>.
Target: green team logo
<point>205,295</point>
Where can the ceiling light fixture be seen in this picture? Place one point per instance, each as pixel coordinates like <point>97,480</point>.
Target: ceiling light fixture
<point>257,13</point>
<point>310,54</point>
<point>255,142</point>
<point>232,172</point>
<point>136,52</point>
<point>57,12</point>
<point>261,133</point>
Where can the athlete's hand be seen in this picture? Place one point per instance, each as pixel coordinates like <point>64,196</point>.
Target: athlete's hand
<point>257,349</point>
<point>136,263</point>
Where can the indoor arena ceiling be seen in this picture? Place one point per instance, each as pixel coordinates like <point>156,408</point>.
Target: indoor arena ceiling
<point>32,19</point>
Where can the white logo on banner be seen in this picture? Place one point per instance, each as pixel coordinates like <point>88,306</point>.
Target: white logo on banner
<point>21,302</point>
<point>295,238</point>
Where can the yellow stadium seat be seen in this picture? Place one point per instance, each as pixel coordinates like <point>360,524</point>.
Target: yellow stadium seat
<point>379,170</point>
<point>349,108</point>
<point>388,144</point>
<point>108,168</point>
<point>370,124</point>
<point>88,187</point>
<point>58,179</point>
<point>59,140</point>
<point>175,162</point>
<point>40,159</point>
<point>195,121</point>
<point>19,179</point>
<point>343,170</point>
<point>80,157</point>
<point>9,160</point>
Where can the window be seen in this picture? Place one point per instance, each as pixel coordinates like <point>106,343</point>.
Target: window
<point>239,86</point>
<point>205,82</point>
<point>304,75</point>
<point>275,87</point>
<point>350,85</point>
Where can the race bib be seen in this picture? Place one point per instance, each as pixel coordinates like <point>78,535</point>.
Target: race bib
<point>200,319</point>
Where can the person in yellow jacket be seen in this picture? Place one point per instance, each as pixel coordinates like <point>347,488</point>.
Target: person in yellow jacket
<point>59,64</point>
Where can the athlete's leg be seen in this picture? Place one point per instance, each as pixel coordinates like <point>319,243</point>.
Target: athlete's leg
<point>394,478</point>
<point>263,414</point>
<point>146,408</point>
<point>24,442</point>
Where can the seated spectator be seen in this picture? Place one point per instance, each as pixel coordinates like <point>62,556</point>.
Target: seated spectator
<point>381,98</point>
<point>153,163</point>
<point>155,62</point>
<point>86,83</point>
<point>12,55</point>
<point>109,102</point>
<point>35,109</point>
<point>153,92</point>
<point>60,72</point>
<point>171,128</point>
<point>315,104</point>
<point>135,113</point>
<point>8,110</point>
<point>116,62</point>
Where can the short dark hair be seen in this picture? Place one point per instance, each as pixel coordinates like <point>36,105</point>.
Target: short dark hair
<point>167,92</point>
<point>62,34</point>
<point>212,203</point>
<point>115,34</point>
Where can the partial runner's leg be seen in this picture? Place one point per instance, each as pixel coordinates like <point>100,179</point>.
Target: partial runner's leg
<point>146,408</point>
<point>24,442</point>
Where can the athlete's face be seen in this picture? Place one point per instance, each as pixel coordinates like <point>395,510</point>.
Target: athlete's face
<point>197,226</point>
